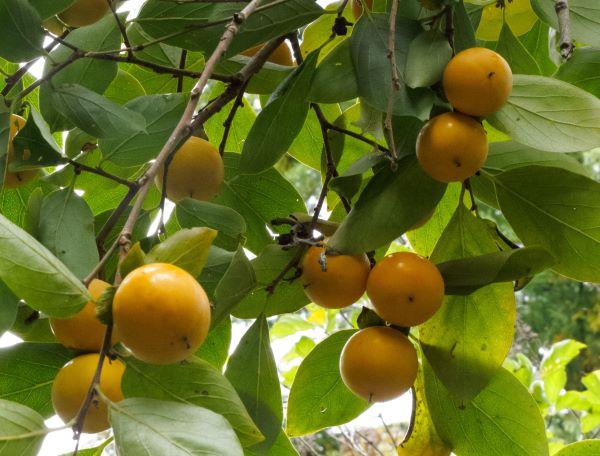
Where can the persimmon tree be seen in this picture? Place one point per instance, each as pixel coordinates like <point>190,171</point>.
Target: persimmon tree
<point>144,205</point>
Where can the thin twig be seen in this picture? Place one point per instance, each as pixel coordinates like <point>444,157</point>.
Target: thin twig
<point>395,86</point>
<point>293,263</point>
<point>111,5</point>
<point>114,217</point>
<point>80,418</point>
<point>181,67</point>
<point>238,103</point>
<point>358,136</point>
<point>100,172</point>
<point>388,431</point>
<point>564,28</point>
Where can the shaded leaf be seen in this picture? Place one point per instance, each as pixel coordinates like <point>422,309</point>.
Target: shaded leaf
<point>15,420</point>
<point>424,72</point>
<point>21,32</point>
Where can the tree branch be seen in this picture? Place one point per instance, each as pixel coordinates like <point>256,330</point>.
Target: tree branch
<point>395,82</point>
<point>564,28</point>
<point>238,103</point>
<point>100,172</point>
<point>449,26</point>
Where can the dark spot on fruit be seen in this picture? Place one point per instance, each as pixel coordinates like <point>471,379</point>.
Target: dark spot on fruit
<point>457,162</point>
<point>186,341</point>
<point>491,74</point>
<point>411,298</point>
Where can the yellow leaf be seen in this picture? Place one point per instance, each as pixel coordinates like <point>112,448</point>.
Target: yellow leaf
<point>519,16</point>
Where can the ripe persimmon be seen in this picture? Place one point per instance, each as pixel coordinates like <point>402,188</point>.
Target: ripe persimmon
<point>196,171</point>
<point>282,55</point>
<point>161,313</point>
<point>338,282</point>
<point>405,289</point>
<point>71,385</point>
<point>84,12</point>
<point>452,147</point>
<point>477,81</point>
<point>378,363</point>
<point>83,331</point>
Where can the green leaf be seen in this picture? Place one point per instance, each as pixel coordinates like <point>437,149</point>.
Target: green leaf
<point>230,225</point>
<point>502,419</point>
<point>187,248</point>
<point>582,448</point>
<point>424,72</point>
<point>258,199</point>
<point>48,8</point>
<point>15,420</point>
<point>137,146</point>
<point>215,348</point>
<point>34,146</point>
<point>95,114</point>
<point>517,56</point>
<point>93,74</point>
<point>464,33</point>
<point>288,296</point>
<point>195,383</point>
<point>216,265</point>
<point>557,210</point>
<point>464,276</point>
<point>21,32</point>
<point>35,275</point>
<point>553,366</point>
<point>253,373</point>
<point>31,326</point>
<point>387,207</point>
<point>281,447</point>
<point>368,45</point>
<point>236,283</point>
<point>537,43</point>
<point>96,451</point>
<point>582,69</point>
<point>584,18</point>
<point>424,239</point>
<point>317,404</point>
<point>150,426</point>
<point>188,21</point>
<point>8,308</point>
<point>124,88</point>
<point>67,229</point>
<point>288,325</point>
<point>466,341</point>
<point>28,370</point>
<point>551,115</point>
<point>280,121</point>
<point>335,79</point>
<point>134,259</point>
<point>506,155</point>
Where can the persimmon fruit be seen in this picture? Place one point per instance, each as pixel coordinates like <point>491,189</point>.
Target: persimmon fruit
<point>83,331</point>
<point>282,55</point>
<point>405,289</point>
<point>71,385</point>
<point>195,171</point>
<point>477,81</point>
<point>161,313</point>
<point>452,147</point>
<point>84,12</point>
<point>378,363</point>
<point>337,283</point>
